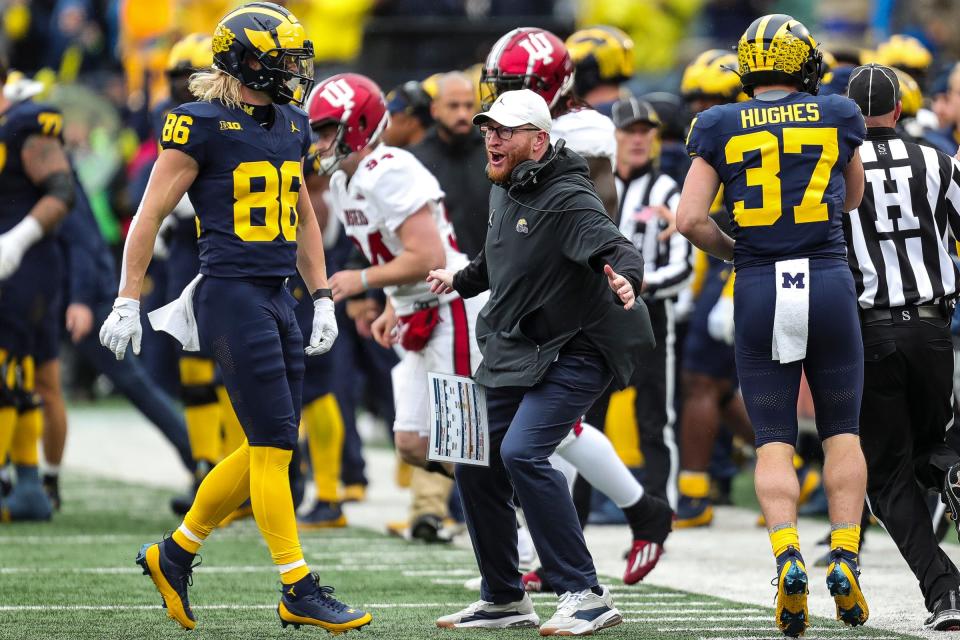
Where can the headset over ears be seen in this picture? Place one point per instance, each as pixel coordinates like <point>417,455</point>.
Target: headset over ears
<point>525,174</point>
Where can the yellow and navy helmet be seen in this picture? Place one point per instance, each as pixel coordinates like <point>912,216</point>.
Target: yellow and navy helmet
<point>272,36</point>
<point>190,54</point>
<point>601,55</point>
<point>776,49</point>
<point>712,75</point>
<point>911,98</point>
<point>904,52</point>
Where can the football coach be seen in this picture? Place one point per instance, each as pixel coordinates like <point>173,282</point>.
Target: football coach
<point>563,319</point>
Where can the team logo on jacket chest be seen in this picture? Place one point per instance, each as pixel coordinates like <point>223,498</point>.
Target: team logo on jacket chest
<point>522,226</point>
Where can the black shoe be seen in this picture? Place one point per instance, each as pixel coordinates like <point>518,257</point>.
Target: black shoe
<point>428,528</point>
<point>951,494</point>
<point>317,607</point>
<point>51,484</point>
<point>946,614</point>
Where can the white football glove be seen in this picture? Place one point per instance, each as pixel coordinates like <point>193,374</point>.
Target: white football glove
<point>720,320</point>
<point>324,327</point>
<point>15,242</point>
<point>122,326</point>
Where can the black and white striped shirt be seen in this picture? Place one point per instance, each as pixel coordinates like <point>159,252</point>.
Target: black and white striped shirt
<point>901,238</point>
<point>668,264</point>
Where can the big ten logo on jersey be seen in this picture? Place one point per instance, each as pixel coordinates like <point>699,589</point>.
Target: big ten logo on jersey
<point>230,126</point>
<point>339,94</point>
<point>538,47</point>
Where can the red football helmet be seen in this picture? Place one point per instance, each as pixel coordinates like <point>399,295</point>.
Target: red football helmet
<point>527,58</point>
<point>357,104</point>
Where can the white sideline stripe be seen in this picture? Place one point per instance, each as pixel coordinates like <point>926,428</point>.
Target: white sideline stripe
<point>703,610</point>
<point>623,595</point>
<point>776,634</point>
<point>430,572</point>
<point>712,619</point>
<point>151,607</point>
<point>235,569</point>
<point>689,604</point>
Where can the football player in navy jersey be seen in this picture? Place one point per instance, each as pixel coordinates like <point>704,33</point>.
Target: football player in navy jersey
<point>38,191</point>
<point>789,164</point>
<point>238,153</point>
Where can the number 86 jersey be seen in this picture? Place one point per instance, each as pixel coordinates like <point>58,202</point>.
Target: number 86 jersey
<point>389,186</point>
<point>781,163</point>
<point>246,191</point>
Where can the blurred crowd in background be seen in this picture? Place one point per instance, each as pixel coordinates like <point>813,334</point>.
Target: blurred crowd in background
<point>103,62</point>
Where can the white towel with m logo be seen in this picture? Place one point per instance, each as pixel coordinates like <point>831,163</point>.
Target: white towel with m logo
<point>791,318</point>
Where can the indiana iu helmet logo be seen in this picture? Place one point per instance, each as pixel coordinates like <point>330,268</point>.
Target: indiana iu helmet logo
<point>339,94</point>
<point>522,226</point>
<point>539,48</point>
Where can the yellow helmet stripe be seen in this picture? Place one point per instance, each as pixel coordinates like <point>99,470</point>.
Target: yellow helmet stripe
<point>758,41</point>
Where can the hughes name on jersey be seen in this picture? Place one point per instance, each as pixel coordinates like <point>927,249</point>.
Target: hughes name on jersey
<point>246,192</point>
<point>781,163</point>
<point>388,187</point>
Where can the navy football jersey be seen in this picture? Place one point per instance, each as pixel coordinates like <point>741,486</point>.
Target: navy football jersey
<point>18,194</point>
<point>781,165</point>
<point>246,192</point>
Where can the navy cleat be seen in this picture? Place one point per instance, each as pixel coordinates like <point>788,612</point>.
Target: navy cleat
<point>171,580</point>
<point>843,582</point>
<point>791,582</point>
<point>323,515</point>
<point>307,602</point>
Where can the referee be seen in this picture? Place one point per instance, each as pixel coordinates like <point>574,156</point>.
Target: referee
<point>648,200</point>
<point>899,243</point>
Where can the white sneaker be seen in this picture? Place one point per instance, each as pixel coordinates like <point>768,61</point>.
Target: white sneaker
<point>486,615</point>
<point>581,614</point>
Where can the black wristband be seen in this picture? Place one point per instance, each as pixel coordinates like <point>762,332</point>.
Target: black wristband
<point>322,293</point>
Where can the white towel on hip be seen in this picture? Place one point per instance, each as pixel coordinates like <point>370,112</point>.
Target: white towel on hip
<point>792,315</point>
<point>177,318</point>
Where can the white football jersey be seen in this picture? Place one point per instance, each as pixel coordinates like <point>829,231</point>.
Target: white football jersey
<point>390,185</point>
<point>587,132</point>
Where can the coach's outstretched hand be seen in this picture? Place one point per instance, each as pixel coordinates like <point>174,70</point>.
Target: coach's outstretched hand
<point>441,281</point>
<point>620,286</point>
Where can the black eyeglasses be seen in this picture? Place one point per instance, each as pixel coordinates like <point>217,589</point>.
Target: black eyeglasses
<point>504,133</point>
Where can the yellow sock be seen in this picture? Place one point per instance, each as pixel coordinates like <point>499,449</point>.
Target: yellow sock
<point>694,484</point>
<point>24,448</point>
<point>233,435</point>
<point>8,412</point>
<point>784,536</point>
<point>8,424</point>
<point>325,433</point>
<point>846,536</point>
<point>273,510</point>
<point>221,492</point>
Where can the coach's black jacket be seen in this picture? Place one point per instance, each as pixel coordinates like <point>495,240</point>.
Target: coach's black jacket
<point>544,271</point>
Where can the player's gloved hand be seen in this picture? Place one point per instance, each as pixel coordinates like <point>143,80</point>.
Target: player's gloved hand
<point>15,242</point>
<point>720,320</point>
<point>324,331</point>
<point>122,326</point>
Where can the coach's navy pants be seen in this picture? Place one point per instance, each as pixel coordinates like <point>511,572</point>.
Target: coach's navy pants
<point>526,425</point>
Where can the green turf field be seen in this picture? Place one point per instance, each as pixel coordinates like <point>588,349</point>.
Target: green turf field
<point>76,578</point>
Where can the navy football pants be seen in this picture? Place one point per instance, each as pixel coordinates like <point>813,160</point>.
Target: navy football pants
<point>250,327</point>
<point>833,364</point>
<point>526,425</point>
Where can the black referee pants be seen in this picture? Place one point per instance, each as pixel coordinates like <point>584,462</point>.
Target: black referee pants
<point>907,392</point>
